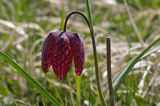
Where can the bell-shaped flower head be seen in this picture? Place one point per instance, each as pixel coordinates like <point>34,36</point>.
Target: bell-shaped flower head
<point>59,49</point>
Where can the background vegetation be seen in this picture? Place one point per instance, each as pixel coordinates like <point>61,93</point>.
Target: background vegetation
<point>24,24</point>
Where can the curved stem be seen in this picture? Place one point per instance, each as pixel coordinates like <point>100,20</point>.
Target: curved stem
<point>94,51</point>
<point>70,14</point>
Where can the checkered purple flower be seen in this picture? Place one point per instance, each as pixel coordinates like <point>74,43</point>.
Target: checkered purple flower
<point>59,49</point>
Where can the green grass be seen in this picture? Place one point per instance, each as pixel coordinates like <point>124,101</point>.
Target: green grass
<point>108,22</point>
<point>37,85</point>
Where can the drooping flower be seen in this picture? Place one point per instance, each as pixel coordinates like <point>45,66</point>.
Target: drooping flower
<point>59,49</point>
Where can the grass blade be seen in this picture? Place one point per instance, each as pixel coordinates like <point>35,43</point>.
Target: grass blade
<point>5,91</point>
<point>37,85</point>
<point>70,90</point>
<point>124,72</point>
<point>78,87</point>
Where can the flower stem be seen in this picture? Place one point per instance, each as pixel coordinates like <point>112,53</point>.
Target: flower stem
<point>70,14</point>
<point>78,87</point>
<point>94,52</point>
<point>94,49</point>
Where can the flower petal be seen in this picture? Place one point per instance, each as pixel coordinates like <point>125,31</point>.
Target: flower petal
<point>61,62</point>
<point>77,46</point>
<point>48,50</point>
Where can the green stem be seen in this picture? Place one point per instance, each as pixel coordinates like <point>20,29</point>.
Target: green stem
<point>95,52</point>
<point>78,87</point>
<point>94,49</point>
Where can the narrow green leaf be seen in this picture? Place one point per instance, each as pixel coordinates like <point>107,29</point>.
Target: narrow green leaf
<point>150,51</point>
<point>6,90</point>
<point>141,101</point>
<point>70,90</point>
<point>3,89</point>
<point>43,101</point>
<point>89,13</point>
<point>36,84</point>
<point>78,87</point>
<point>124,72</point>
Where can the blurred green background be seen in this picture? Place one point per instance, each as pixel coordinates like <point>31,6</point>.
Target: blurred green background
<point>24,24</point>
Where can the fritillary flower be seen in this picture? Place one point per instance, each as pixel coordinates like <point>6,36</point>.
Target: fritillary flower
<point>59,49</point>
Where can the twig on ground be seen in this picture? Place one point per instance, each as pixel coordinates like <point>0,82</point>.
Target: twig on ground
<point>108,50</point>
